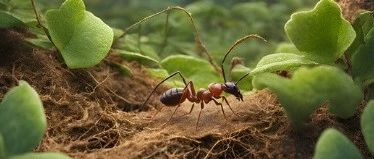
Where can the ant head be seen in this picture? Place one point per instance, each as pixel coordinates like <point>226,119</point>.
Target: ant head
<point>232,88</point>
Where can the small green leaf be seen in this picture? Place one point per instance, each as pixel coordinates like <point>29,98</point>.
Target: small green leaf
<point>309,88</point>
<point>322,34</point>
<point>16,13</point>
<point>367,125</point>
<point>162,74</point>
<point>362,61</point>
<point>197,70</point>
<point>45,155</point>
<point>40,41</point>
<point>334,145</point>
<point>122,68</point>
<point>132,56</point>
<point>239,71</point>
<point>82,38</point>
<point>22,119</point>
<point>7,20</point>
<point>287,48</point>
<point>281,61</point>
<point>130,43</point>
<point>117,33</point>
<point>158,73</point>
<point>362,25</point>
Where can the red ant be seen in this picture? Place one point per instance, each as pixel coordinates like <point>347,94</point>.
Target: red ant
<point>176,96</point>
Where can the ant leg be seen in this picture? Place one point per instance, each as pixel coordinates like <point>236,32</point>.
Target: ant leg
<point>171,117</point>
<point>193,105</point>
<point>224,99</point>
<point>149,96</point>
<point>158,111</point>
<point>220,104</point>
<point>198,117</point>
<point>185,94</point>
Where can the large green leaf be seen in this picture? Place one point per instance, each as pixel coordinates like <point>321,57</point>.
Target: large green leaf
<point>82,38</point>
<point>281,61</point>
<point>46,155</point>
<point>367,125</point>
<point>309,88</point>
<point>197,70</point>
<point>363,61</point>
<point>334,145</point>
<point>22,119</point>
<point>143,59</point>
<point>322,34</point>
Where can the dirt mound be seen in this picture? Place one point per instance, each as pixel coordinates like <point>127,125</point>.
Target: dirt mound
<point>86,117</point>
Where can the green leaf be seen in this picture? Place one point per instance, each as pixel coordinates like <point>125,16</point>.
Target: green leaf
<point>334,145</point>
<point>367,125</point>
<point>132,56</point>
<point>197,70</point>
<point>16,13</point>
<point>322,34</point>
<point>309,88</point>
<point>117,33</point>
<point>45,155</point>
<point>158,73</point>
<point>281,61</point>
<point>239,71</point>
<point>362,61</point>
<point>7,20</point>
<point>162,74</point>
<point>123,69</point>
<point>22,119</point>
<point>82,38</point>
<point>40,41</point>
<point>287,48</point>
<point>362,25</point>
<point>130,43</point>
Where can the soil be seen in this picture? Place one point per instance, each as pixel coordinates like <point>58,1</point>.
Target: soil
<point>95,113</point>
<point>351,8</point>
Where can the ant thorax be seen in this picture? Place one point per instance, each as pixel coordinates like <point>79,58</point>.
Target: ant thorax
<point>216,89</point>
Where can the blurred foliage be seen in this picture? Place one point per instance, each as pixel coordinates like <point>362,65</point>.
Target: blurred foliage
<point>219,22</point>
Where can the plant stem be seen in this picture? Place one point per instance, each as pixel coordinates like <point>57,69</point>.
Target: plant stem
<point>165,41</point>
<point>198,40</point>
<point>38,19</point>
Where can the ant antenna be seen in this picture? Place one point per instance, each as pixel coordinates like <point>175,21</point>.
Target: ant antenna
<point>241,78</point>
<point>175,73</point>
<point>232,48</point>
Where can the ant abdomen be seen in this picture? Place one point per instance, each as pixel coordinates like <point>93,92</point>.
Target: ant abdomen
<point>172,97</point>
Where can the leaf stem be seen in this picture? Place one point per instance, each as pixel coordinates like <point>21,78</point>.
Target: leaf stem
<point>198,40</point>
<point>38,19</point>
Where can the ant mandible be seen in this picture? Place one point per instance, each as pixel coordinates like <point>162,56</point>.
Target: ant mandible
<point>176,96</point>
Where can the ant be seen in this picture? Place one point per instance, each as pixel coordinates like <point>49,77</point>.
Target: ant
<point>176,96</point>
